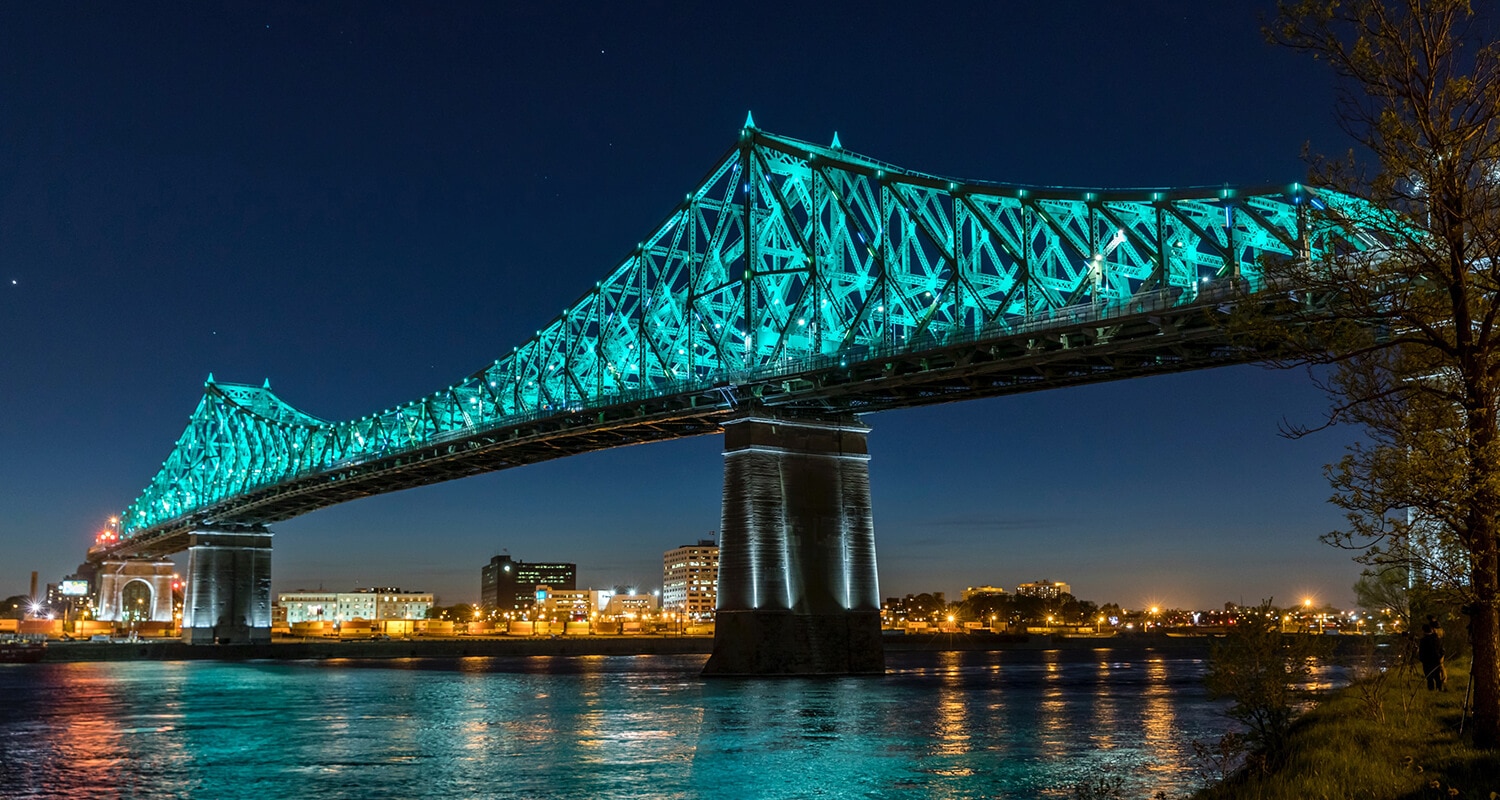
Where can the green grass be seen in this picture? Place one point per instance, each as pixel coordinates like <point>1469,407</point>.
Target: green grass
<point>1378,742</point>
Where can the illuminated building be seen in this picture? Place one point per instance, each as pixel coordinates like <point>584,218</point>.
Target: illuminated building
<point>309,606</point>
<point>1044,588</point>
<point>979,591</point>
<point>690,579</point>
<point>376,603</point>
<point>136,590</point>
<point>621,602</point>
<point>563,604</point>
<point>392,603</point>
<point>627,604</point>
<point>510,585</point>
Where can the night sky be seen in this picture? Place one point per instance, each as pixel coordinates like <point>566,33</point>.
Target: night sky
<point>365,203</point>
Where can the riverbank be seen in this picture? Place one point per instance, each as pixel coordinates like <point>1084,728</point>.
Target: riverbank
<point>295,649</point>
<point>463,647</point>
<point>1382,738</point>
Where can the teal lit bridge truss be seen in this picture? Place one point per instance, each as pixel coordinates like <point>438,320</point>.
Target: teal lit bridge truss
<point>797,276</point>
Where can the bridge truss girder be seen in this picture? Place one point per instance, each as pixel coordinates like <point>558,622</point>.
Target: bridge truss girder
<point>784,278</point>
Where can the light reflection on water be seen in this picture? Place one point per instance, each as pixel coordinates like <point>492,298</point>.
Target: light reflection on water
<point>1013,724</point>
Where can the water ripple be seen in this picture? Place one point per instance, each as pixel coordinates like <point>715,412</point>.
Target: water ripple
<point>939,725</point>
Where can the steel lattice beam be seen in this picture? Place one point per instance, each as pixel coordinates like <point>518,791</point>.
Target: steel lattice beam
<point>794,274</point>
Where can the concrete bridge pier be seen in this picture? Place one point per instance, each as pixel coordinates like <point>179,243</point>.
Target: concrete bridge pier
<point>797,585</point>
<point>228,597</point>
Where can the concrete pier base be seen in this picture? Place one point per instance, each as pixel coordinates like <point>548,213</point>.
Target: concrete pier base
<point>798,593</point>
<point>228,597</point>
<point>785,643</point>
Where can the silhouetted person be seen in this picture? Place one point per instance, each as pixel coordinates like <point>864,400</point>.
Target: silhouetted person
<point>1430,653</point>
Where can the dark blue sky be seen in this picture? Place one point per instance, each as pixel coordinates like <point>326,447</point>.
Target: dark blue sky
<point>364,203</point>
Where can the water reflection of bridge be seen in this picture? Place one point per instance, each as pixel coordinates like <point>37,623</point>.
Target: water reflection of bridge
<point>795,288</point>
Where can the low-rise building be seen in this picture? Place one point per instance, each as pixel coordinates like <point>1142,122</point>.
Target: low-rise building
<point>356,605</point>
<point>971,592</point>
<point>625,603</point>
<point>303,606</point>
<point>563,605</point>
<point>392,603</point>
<point>366,604</point>
<point>1044,588</point>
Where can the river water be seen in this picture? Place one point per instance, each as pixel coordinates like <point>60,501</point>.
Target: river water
<point>1002,724</point>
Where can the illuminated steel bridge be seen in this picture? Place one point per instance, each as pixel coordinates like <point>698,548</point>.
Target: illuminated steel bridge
<point>796,281</point>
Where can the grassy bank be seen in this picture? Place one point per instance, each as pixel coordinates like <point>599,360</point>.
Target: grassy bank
<point>1378,739</point>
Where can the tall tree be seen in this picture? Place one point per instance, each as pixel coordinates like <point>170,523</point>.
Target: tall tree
<point>1386,592</point>
<point>15,607</point>
<point>1409,325</point>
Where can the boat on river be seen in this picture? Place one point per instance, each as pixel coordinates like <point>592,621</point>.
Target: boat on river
<point>21,651</point>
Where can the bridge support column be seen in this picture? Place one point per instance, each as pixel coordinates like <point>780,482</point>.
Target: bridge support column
<point>797,584</point>
<point>228,597</point>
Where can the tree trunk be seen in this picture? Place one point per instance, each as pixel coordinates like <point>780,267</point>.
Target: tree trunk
<point>1484,633</point>
<point>1484,547</point>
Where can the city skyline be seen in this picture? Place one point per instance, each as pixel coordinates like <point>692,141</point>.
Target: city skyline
<point>363,208</point>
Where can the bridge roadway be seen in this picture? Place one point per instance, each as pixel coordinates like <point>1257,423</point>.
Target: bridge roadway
<point>1148,335</point>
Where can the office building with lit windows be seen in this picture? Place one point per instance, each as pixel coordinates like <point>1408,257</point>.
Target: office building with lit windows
<point>690,580</point>
<point>510,585</point>
<point>1044,588</point>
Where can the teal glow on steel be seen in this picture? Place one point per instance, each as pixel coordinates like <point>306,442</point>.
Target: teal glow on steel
<point>787,251</point>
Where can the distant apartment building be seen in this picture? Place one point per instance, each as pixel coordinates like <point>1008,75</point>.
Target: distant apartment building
<point>690,579</point>
<point>971,592</point>
<point>510,585</point>
<point>1044,588</point>
<point>376,603</point>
